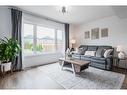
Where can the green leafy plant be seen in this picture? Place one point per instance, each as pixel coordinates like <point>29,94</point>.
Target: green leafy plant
<point>9,49</point>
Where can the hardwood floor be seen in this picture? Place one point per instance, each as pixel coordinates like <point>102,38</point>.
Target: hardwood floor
<point>28,79</point>
<point>36,79</point>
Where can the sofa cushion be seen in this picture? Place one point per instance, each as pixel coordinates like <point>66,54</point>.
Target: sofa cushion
<point>86,57</point>
<point>98,61</point>
<point>90,53</point>
<point>98,58</point>
<point>76,55</point>
<point>92,48</point>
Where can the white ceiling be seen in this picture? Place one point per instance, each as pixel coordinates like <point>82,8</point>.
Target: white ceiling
<point>75,14</point>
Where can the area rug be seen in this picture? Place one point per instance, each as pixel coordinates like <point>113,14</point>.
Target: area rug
<point>91,78</point>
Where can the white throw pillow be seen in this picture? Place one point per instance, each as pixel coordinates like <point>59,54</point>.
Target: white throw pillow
<point>107,53</point>
<point>90,53</point>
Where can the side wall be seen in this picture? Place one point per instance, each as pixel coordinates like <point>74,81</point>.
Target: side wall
<point>117,32</point>
<point>5,22</point>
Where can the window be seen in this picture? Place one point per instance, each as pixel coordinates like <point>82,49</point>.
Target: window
<point>39,39</point>
<point>28,38</point>
<point>45,39</point>
<point>60,40</point>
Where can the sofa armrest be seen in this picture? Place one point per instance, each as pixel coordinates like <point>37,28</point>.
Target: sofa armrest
<point>109,62</point>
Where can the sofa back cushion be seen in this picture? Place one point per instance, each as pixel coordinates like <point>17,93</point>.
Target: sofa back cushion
<point>105,47</point>
<point>90,53</point>
<point>84,47</point>
<point>92,48</point>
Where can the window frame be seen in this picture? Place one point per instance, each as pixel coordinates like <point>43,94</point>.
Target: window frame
<point>35,38</point>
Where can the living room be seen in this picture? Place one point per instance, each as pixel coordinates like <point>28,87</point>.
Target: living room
<point>48,39</point>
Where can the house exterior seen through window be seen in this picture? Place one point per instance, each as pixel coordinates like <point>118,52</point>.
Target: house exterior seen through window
<point>39,39</point>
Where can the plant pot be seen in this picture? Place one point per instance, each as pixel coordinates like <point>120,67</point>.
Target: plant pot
<point>6,66</point>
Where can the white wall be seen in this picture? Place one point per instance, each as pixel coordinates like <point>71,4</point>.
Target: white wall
<point>117,33</point>
<point>5,22</point>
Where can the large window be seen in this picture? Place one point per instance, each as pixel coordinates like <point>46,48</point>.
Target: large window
<point>28,38</point>
<point>45,39</point>
<point>60,41</point>
<point>39,39</point>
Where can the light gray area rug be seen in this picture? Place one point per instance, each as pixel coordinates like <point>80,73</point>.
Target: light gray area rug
<point>91,78</point>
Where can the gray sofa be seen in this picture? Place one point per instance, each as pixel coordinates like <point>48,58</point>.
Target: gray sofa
<point>98,60</point>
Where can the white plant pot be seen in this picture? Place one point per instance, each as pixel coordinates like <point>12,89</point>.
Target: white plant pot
<point>7,66</point>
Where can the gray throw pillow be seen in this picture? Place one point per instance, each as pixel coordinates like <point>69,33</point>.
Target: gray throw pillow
<point>100,52</point>
<point>107,53</point>
<point>81,51</point>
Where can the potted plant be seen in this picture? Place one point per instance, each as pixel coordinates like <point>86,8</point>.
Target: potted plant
<point>9,49</point>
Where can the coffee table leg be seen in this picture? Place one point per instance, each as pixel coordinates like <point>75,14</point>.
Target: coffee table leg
<point>73,68</point>
<point>62,65</point>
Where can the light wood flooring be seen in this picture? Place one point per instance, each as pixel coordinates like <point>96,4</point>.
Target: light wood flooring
<point>28,79</point>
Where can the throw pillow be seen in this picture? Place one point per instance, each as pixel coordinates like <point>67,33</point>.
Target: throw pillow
<point>100,52</point>
<point>90,53</point>
<point>107,53</point>
<point>81,51</point>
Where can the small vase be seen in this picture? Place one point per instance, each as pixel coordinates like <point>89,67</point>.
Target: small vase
<point>121,55</point>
